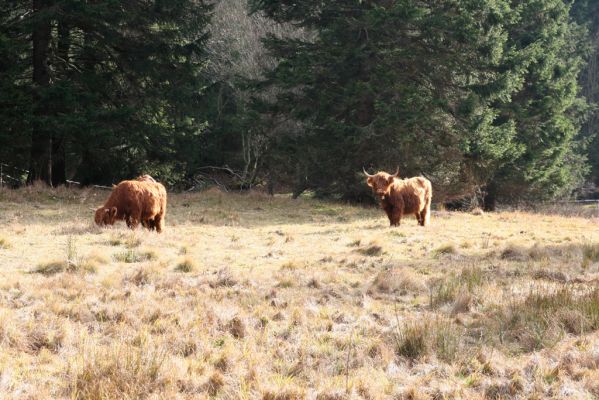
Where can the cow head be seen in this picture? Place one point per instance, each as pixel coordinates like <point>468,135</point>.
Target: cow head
<point>381,182</point>
<point>105,216</point>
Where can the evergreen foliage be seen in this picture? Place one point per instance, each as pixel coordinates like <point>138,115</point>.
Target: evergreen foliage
<point>487,98</point>
<point>586,13</point>
<point>115,86</point>
<point>479,95</point>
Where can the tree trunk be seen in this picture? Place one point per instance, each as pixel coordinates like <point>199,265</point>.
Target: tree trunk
<point>40,162</point>
<point>300,184</point>
<point>59,167</point>
<point>270,186</point>
<point>490,198</point>
<point>58,138</point>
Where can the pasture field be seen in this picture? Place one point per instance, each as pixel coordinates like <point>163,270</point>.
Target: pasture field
<point>245,296</point>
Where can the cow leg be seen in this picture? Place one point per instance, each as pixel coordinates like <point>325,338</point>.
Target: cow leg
<point>418,218</point>
<point>425,215</point>
<point>148,224</point>
<point>426,212</point>
<point>423,218</point>
<point>151,224</point>
<point>389,211</point>
<point>133,223</point>
<point>396,216</point>
<point>158,223</point>
<point>134,220</point>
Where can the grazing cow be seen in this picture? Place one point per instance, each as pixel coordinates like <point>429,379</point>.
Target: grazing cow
<point>135,202</point>
<point>402,196</point>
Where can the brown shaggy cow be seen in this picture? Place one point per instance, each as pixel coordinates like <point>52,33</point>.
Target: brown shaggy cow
<point>134,202</point>
<point>402,196</point>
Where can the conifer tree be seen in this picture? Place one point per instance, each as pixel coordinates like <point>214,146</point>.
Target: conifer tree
<point>113,86</point>
<point>464,91</point>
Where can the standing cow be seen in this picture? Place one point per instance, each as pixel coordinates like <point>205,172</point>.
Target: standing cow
<point>402,196</point>
<point>136,201</point>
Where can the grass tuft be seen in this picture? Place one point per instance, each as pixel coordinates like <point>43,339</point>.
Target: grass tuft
<point>72,262</point>
<point>456,288</point>
<point>140,277</point>
<point>590,254</point>
<point>4,243</point>
<point>186,265</point>
<point>215,383</point>
<point>397,281</point>
<point>446,249</point>
<point>288,392</point>
<point>133,256</point>
<point>236,328</point>
<point>371,250</point>
<point>51,267</point>
<point>224,278</point>
<point>289,266</point>
<point>117,373</point>
<point>514,253</point>
<point>438,336</point>
<point>544,317</point>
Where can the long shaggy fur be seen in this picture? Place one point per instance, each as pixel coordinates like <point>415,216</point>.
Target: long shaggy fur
<point>137,201</point>
<point>399,197</point>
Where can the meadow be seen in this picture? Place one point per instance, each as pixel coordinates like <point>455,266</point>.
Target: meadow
<point>246,296</point>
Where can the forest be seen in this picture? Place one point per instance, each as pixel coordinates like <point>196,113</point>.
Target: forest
<point>495,101</point>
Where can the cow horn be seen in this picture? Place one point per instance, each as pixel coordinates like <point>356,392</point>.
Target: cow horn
<point>396,174</point>
<point>366,173</point>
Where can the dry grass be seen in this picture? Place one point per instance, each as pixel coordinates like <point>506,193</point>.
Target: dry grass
<point>245,296</point>
<point>187,264</point>
<point>437,335</point>
<point>116,373</point>
<point>4,243</point>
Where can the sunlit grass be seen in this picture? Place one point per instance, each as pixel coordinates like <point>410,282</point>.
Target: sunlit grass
<point>249,296</point>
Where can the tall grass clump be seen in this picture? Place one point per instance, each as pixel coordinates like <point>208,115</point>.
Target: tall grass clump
<point>447,290</point>
<point>590,254</point>
<point>133,256</point>
<point>446,249</point>
<point>371,250</point>
<point>544,317</point>
<point>125,372</point>
<point>186,264</point>
<point>4,243</point>
<point>71,263</point>
<point>439,336</point>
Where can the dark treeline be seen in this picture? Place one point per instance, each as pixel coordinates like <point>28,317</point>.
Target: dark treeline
<point>493,100</point>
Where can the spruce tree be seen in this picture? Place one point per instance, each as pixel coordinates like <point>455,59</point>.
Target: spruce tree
<point>546,50</point>
<point>463,91</point>
<point>113,86</point>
